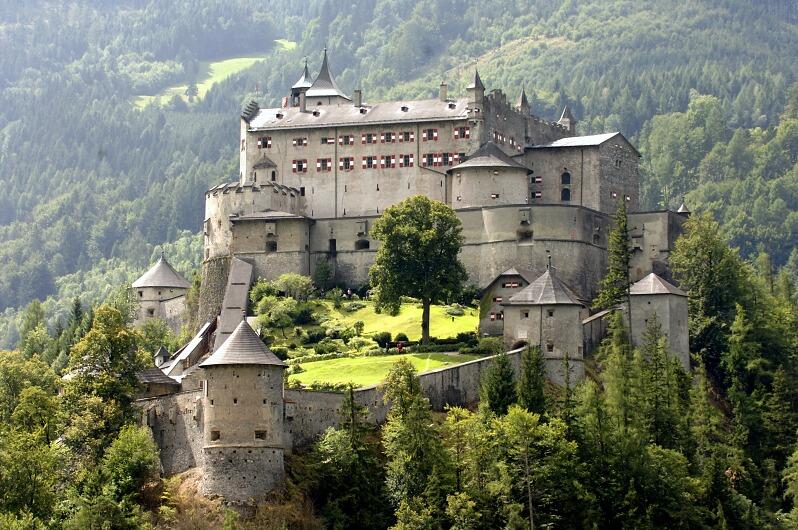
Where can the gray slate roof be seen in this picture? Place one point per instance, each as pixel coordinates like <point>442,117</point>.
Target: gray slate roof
<point>268,215</point>
<point>489,155</point>
<point>162,274</point>
<point>653,284</point>
<point>526,274</point>
<point>324,85</point>
<point>545,290</point>
<point>425,110</point>
<point>578,141</point>
<point>683,208</point>
<point>242,347</point>
<point>304,81</point>
<point>155,376</point>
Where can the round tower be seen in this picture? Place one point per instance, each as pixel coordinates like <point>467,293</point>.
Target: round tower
<point>161,293</point>
<point>243,444</point>
<point>488,178</point>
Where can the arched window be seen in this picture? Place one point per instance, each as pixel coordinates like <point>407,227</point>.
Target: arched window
<point>271,246</point>
<point>565,195</point>
<point>362,244</point>
<point>566,178</point>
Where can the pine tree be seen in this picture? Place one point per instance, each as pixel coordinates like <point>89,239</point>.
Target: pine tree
<point>614,286</point>
<point>532,380</point>
<point>497,388</point>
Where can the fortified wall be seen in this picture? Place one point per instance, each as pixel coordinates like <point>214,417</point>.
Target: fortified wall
<point>177,420</point>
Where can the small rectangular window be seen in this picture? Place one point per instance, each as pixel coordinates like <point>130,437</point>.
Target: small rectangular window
<point>550,347</point>
<point>215,435</point>
<point>300,142</point>
<point>497,298</point>
<point>524,314</point>
<point>265,142</point>
<point>550,313</point>
<point>260,435</point>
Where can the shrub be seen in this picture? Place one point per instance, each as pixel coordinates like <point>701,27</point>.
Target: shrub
<point>409,300</point>
<point>486,346</point>
<point>303,317</point>
<point>359,326</point>
<point>358,343</point>
<point>295,369</point>
<point>401,337</point>
<point>382,338</point>
<point>335,296</point>
<point>354,297</point>
<point>469,296</point>
<point>260,289</point>
<point>280,352</point>
<point>455,310</point>
<point>351,307</point>
<point>313,336</point>
<point>469,337</point>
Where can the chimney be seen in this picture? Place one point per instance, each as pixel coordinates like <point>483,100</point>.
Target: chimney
<point>358,98</point>
<point>303,105</point>
<point>443,93</point>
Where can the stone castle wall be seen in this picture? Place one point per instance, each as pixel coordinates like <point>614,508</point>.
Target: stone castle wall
<point>242,473</point>
<point>212,287</point>
<point>176,423</point>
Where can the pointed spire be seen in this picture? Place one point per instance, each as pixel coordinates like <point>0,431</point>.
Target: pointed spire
<point>683,208</point>
<point>304,81</point>
<point>324,85</point>
<point>566,115</point>
<point>523,102</point>
<point>477,83</point>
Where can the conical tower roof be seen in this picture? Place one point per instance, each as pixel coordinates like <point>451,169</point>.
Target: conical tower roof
<point>566,114</point>
<point>653,284</point>
<point>490,155</point>
<point>324,85</point>
<point>304,81</point>
<point>523,101</point>
<point>683,208</point>
<point>477,82</point>
<point>545,290</point>
<point>242,347</point>
<point>162,274</point>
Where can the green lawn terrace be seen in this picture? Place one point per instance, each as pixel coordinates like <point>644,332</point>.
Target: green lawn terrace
<point>369,371</point>
<point>360,360</point>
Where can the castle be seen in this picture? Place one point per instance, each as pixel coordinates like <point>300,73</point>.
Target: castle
<point>315,173</point>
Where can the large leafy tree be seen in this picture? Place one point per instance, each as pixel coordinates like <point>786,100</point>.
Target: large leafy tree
<point>614,286</point>
<point>420,240</point>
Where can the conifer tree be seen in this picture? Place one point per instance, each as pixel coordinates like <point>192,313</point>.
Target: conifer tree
<point>614,286</point>
<point>532,380</point>
<point>497,388</point>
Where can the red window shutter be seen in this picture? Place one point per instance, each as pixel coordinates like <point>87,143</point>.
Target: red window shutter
<point>362,138</point>
<point>382,138</point>
<point>434,134</point>
<point>468,132</point>
<point>393,162</point>
<point>318,164</point>
<point>424,135</point>
<point>456,133</point>
<point>293,166</point>
<point>340,163</point>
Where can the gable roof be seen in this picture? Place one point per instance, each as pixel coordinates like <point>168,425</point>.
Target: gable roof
<point>243,347</point>
<point>526,274</point>
<point>424,110</point>
<point>489,155</point>
<point>592,140</point>
<point>162,274</point>
<point>324,85</point>
<point>155,376</point>
<point>653,284</point>
<point>545,290</point>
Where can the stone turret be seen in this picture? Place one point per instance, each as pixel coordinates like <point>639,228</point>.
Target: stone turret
<point>547,313</point>
<point>652,297</point>
<point>161,293</point>
<point>243,443</point>
<point>476,97</point>
<point>523,103</point>
<point>488,178</point>
<point>567,120</point>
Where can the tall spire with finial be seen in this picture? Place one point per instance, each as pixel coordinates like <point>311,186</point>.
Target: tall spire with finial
<point>324,85</point>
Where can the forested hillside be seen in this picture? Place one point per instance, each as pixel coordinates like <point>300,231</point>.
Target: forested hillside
<point>87,177</point>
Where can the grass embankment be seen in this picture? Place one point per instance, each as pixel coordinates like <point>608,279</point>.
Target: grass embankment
<point>408,321</point>
<point>210,72</point>
<point>367,371</point>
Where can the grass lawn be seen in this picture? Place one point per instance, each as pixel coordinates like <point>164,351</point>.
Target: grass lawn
<point>408,321</point>
<point>210,72</point>
<point>367,371</point>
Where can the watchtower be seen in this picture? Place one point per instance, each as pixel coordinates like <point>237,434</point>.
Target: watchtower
<point>243,445</point>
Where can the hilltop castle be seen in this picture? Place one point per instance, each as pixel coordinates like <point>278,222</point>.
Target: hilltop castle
<point>314,174</point>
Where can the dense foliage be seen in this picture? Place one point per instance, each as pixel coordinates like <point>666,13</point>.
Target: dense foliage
<point>90,180</point>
